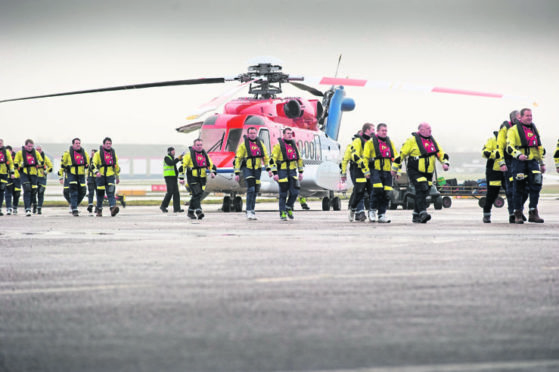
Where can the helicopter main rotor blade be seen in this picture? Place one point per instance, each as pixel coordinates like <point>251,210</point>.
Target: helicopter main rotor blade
<point>307,88</point>
<point>216,102</point>
<point>125,87</point>
<point>412,88</point>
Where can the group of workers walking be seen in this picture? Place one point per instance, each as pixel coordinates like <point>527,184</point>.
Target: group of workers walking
<point>515,162</point>
<point>27,169</point>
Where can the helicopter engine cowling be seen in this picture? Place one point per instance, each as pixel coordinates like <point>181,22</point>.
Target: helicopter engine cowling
<point>338,104</point>
<point>292,109</point>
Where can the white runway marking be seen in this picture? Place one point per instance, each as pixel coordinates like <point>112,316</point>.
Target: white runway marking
<point>351,276</point>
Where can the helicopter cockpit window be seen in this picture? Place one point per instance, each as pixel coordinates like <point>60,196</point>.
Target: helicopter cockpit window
<point>213,139</point>
<point>233,140</point>
<point>254,120</point>
<point>210,120</point>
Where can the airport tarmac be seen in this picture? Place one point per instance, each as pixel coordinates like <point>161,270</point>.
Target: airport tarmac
<point>147,291</point>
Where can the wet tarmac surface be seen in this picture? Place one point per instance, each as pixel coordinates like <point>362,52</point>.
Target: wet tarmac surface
<point>146,291</point>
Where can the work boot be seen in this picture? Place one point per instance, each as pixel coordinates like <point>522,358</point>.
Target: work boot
<point>28,213</point>
<point>351,215</point>
<point>524,218</point>
<point>98,212</point>
<point>283,216</point>
<point>360,216</point>
<point>9,212</point>
<point>199,214</point>
<point>486,218</point>
<point>383,219</point>
<point>15,210</point>
<point>415,218</point>
<point>518,217</point>
<point>511,218</point>
<point>373,215</point>
<point>424,217</point>
<point>39,211</point>
<point>90,208</point>
<point>305,206</point>
<point>164,210</point>
<point>533,216</point>
<point>290,214</point>
<point>114,211</point>
<point>191,214</point>
<point>75,213</point>
<point>34,208</point>
<point>1,214</point>
<point>179,211</point>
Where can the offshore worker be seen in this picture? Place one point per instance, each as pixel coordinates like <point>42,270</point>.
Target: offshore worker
<point>506,168</point>
<point>421,150</point>
<point>362,185</point>
<point>28,161</point>
<point>91,184</point>
<point>197,164</point>
<point>378,155</point>
<point>285,163</point>
<point>6,175</point>
<point>250,158</point>
<point>525,146</point>
<point>494,176</point>
<point>44,169</point>
<point>76,161</point>
<point>170,173</point>
<point>556,157</point>
<point>343,170</point>
<point>107,172</point>
<point>14,185</point>
<point>63,177</point>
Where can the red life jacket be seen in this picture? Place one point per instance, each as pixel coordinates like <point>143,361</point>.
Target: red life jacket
<point>77,157</point>
<point>289,150</point>
<point>427,146</point>
<point>3,156</point>
<point>383,148</point>
<point>29,158</point>
<point>254,148</point>
<point>529,136</point>
<point>107,157</point>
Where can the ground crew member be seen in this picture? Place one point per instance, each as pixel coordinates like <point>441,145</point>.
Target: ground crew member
<point>107,172</point>
<point>556,157</point>
<point>91,185</point>
<point>6,175</point>
<point>525,146</point>
<point>170,173</point>
<point>28,161</point>
<point>250,158</point>
<point>362,185</point>
<point>421,150</point>
<point>44,169</point>
<point>378,155</point>
<point>506,168</point>
<point>14,185</point>
<point>76,162</point>
<point>343,168</point>
<point>494,176</point>
<point>285,163</point>
<point>197,164</point>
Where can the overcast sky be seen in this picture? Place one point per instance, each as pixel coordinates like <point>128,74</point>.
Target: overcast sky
<point>502,46</point>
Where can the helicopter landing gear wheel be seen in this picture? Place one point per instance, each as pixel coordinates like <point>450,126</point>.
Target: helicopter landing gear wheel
<point>447,202</point>
<point>326,203</point>
<point>438,203</point>
<point>481,202</point>
<point>226,207</point>
<point>238,204</point>
<point>499,202</point>
<point>336,203</point>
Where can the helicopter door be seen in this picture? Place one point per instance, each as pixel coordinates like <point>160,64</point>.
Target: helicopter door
<point>317,148</point>
<point>264,136</point>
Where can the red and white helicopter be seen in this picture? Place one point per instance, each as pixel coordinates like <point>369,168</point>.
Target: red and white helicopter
<point>315,122</point>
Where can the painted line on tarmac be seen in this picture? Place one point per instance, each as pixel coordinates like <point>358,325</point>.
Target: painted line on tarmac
<point>352,276</point>
<point>539,365</point>
<point>70,289</point>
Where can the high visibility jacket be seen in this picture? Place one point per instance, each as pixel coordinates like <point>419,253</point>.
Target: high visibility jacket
<point>345,160</point>
<point>379,155</point>
<point>518,143</point>
<point>70,161</point>
<point>101,165</point>
<point>246,158</point>
<point>556,155</point>
<point>46,166</point>
<point>6,161</point>
<point>419,158</point>
<point>24,160</point>
<point>502,139</point>
<point>279,157</point>
<point>356,157</point>
<point>192,168</point>
<point>493,155</point>
<point>170,166</point>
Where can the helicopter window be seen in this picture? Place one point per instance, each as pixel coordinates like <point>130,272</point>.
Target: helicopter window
<point>233,140</point>
<point>300,146</point>
<point>311,150</point>
<point>213,139</point>
<point>318,148</point>
<point>254,120</point>
<point>265,137</point>
<point>210,120</point>
<point>307,150</point>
